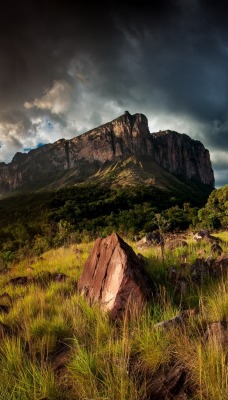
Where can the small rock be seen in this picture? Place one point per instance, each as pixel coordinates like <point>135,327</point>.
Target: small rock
<point>180,319</point>
<point>154,238</point>
<point>58,277</point>
<point>4,309</point>
<point>203,233</point>
<point>175,321</point>
<point>216,248</point>
<point>20,280</point>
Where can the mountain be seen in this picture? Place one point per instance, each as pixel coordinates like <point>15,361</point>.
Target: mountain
<point>118,148</point>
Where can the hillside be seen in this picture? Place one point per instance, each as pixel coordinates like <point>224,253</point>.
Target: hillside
<point>55,345</point>
<point>165,154</point>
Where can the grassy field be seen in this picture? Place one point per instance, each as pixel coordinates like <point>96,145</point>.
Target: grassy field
<point>55,346</point>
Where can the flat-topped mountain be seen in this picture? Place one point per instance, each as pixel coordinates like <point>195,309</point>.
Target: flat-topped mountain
<point>87,156</point>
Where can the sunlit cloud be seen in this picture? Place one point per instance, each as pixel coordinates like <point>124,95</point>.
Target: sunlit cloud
<point>57,99</point>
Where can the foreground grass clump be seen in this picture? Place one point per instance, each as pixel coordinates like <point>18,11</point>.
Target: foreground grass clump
<point>54,345</point>
<point>22,378</point>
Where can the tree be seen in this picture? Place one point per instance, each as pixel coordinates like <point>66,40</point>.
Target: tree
<point>215,213</point>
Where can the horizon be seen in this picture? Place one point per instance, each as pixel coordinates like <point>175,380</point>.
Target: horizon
<point>64,71</point>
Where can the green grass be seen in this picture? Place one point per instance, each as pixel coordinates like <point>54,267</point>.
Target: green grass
<point>58,346</point>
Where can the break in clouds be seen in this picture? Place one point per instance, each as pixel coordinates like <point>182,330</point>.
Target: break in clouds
<point>68,68</point>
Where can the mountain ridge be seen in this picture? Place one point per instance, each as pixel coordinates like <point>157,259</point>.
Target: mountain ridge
<point>116,141</point>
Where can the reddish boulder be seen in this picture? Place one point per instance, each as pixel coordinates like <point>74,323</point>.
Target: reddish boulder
<point>114,277</point>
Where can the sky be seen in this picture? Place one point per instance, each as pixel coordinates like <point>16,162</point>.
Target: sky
<point>67,68</point>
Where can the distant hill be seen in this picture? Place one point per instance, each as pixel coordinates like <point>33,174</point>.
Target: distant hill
<point>120,153</point>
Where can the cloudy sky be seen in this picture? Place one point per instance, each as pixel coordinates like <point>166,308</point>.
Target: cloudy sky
<point>65,69</point>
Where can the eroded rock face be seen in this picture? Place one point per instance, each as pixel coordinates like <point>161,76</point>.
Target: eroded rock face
<point>115,141</point>
<point>114,277</point>
<point>182,156</point>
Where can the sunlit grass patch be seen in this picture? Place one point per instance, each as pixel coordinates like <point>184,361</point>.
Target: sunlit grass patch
<point>223,236</point>
<point>150,345</point>
<point>102,370</point>
<point>107,360</point>
<point>214,303</point>
<point>21,378</point>
<point>210,371</point>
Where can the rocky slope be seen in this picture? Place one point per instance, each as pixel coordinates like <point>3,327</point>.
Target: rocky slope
<point>83,156</point>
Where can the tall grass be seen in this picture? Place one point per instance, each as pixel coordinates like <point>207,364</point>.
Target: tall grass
<point>97,359</point>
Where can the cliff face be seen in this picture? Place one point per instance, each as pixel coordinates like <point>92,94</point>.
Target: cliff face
<point>183,157</point>
<point>125,136</point>
<point>115,141</point>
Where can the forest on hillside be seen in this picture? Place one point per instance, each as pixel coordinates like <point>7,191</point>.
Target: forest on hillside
<point>32,223</point>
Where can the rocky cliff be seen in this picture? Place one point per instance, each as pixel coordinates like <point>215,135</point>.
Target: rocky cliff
<point>182,156</point>
<point>115,141</point>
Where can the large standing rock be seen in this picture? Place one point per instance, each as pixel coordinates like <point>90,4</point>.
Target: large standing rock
<point>115,277</point>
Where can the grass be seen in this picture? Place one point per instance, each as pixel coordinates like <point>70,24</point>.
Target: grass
<point>57,346</point>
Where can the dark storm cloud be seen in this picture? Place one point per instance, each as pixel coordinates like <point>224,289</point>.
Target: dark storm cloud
<point>79,65</point>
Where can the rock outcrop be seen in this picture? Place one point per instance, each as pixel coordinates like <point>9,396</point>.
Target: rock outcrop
<point>114,277</point>
<point>115,141</point>
<point>150,240</point>
<point>182,156</point>
<point>205,234</point>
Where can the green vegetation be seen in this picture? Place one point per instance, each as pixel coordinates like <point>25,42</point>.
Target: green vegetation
<point>56,346</point>
<point>34,222</point>
<point>215,214</point>
<point>59,347</point>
